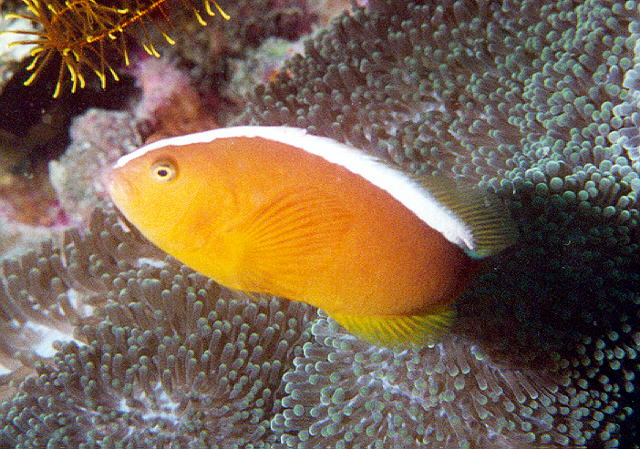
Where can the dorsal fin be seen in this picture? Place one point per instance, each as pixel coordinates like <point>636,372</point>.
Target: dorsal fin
<point>491,226</point>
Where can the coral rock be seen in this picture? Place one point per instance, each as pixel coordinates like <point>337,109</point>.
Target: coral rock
<point>98,139</point>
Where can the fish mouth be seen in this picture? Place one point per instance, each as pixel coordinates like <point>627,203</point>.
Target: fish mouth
<point>120,189</point>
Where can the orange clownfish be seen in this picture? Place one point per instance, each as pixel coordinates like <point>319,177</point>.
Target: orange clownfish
<point>279,211</point>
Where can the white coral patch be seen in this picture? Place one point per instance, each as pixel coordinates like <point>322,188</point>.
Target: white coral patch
<point>49,335</point>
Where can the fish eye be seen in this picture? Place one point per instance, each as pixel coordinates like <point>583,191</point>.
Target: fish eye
<point>163,171</point>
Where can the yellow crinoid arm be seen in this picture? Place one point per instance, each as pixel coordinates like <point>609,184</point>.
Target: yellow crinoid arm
<point>211,12</point>
<point>84,33</point>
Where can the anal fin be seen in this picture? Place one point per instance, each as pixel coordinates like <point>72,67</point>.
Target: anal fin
<point>399,330</point>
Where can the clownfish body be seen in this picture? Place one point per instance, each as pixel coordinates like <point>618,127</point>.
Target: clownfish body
<point>276,210</point>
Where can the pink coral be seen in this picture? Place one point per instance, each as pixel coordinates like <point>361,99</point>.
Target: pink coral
<point>98,138</point>
<point>169,104</point>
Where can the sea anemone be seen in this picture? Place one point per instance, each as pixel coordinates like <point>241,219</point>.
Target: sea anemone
<point>159,356</point>
<point>535,102</point>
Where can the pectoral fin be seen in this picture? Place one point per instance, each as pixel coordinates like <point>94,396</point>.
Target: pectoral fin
<point>290,238</point>
<point>399,330</point>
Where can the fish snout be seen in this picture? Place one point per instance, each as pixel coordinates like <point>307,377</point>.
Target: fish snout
<point>119,187</point>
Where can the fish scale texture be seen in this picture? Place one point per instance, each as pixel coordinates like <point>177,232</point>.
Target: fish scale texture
<point>535,101</point>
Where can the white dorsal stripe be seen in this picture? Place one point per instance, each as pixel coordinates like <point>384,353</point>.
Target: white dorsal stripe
<point>407,191</point>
